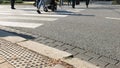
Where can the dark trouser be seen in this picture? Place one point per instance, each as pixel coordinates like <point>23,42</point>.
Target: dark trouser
<point>12,3</point>
<point>73,3</point>
<point>87,3</point>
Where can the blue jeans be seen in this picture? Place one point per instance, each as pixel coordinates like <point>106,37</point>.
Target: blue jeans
<point>40,3</point>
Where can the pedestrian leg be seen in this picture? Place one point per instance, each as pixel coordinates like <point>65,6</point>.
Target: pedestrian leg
<point>39,4</point>
<point>73,3</point>
<point>12,4</point>
<point>87,3</point>
<point>44,6</point>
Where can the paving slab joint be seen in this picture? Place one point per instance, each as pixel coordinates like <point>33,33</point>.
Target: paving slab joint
<point>107,65</point>
<point>22,41</point>
<point>69,57</point>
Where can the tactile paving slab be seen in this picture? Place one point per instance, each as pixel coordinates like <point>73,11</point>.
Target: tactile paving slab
<point>21,57</point>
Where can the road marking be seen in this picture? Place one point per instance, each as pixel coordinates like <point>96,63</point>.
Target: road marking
<point>46,15</point>
<point>43,15</point>
<point>112,18</point>
<point>6,14</point>
<point>20,24</point>
<point>75,10</point>
<point>30,18</point>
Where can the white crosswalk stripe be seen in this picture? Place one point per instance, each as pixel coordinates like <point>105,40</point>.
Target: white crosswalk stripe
<point>113,18</point>
<point>23,18</point>
<point>20,24</point>
<point>30,18</point>
<point>13,18</point>
<point>42,15</point>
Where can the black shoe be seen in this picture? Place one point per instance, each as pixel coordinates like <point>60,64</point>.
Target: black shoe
<point>73,6</point>
<point>45,9</point>
<point>38,11</point>
<point>13,8</point>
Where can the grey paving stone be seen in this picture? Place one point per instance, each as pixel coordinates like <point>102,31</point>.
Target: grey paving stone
<point>68,47</point>
<point>105,59</point>
<point>72,52</point>
<point>118,64</point>
<point>42,41</point>
<point>58,43</point>
<point>83,56</point>
<point>98,62</point>
<point>79,50</point>
<point>92,55</point>
<point>61,48</point>
<point>112,66</point>
<point>49,41</point>
<point>51,44</point>
<point>41,38</point>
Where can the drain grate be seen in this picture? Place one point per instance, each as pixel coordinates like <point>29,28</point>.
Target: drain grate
<point>21,57</point>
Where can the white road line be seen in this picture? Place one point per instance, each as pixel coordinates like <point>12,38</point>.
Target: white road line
<point>30,18</point>
<point>20,24</point>
<point>43,15</point>
<point>46,15</point>
<point>5,13</point>
<point>28,8</point>
<point>75,10</point>
<point>112,18</point>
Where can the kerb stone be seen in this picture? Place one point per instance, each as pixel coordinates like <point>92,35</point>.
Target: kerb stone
<point>45,50</point>
<point>78,63</point>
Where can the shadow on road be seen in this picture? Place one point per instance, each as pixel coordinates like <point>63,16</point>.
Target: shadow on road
<point>70,13</point>
<point>4,33</point>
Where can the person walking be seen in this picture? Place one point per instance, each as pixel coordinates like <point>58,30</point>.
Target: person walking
<point>87,3</point>
<point>12,4</point>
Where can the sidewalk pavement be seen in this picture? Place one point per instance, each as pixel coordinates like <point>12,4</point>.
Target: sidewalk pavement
<point>13,55</point>
<point>18,52</point>
<point>32,48</point>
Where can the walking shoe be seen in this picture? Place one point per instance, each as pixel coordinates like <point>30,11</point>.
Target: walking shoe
<point>38,11</point>
<point>13,8</point>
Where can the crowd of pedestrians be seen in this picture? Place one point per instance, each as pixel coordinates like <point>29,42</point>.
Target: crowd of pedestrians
<point>70,2</point>
<point>77,2</point>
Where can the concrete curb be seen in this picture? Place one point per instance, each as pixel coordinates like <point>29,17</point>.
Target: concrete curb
<point>50,52</point>
<point>44,50</point>
<point>78,63</point>
<point>37,47</point>
<point>34,46</point>
<point>47,51</point>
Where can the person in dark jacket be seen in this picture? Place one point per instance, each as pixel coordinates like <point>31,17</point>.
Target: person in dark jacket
<point>87,3</point>
<point>12,4</point>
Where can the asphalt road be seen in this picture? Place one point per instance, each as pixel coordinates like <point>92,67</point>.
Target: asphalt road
<point>96,29</point>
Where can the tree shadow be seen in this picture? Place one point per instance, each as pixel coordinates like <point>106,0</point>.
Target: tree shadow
<point>25,9</point>
<point>4,33</point>
<point>70,13</point>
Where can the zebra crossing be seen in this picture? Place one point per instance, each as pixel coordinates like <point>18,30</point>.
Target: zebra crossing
<point>28,19</point>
